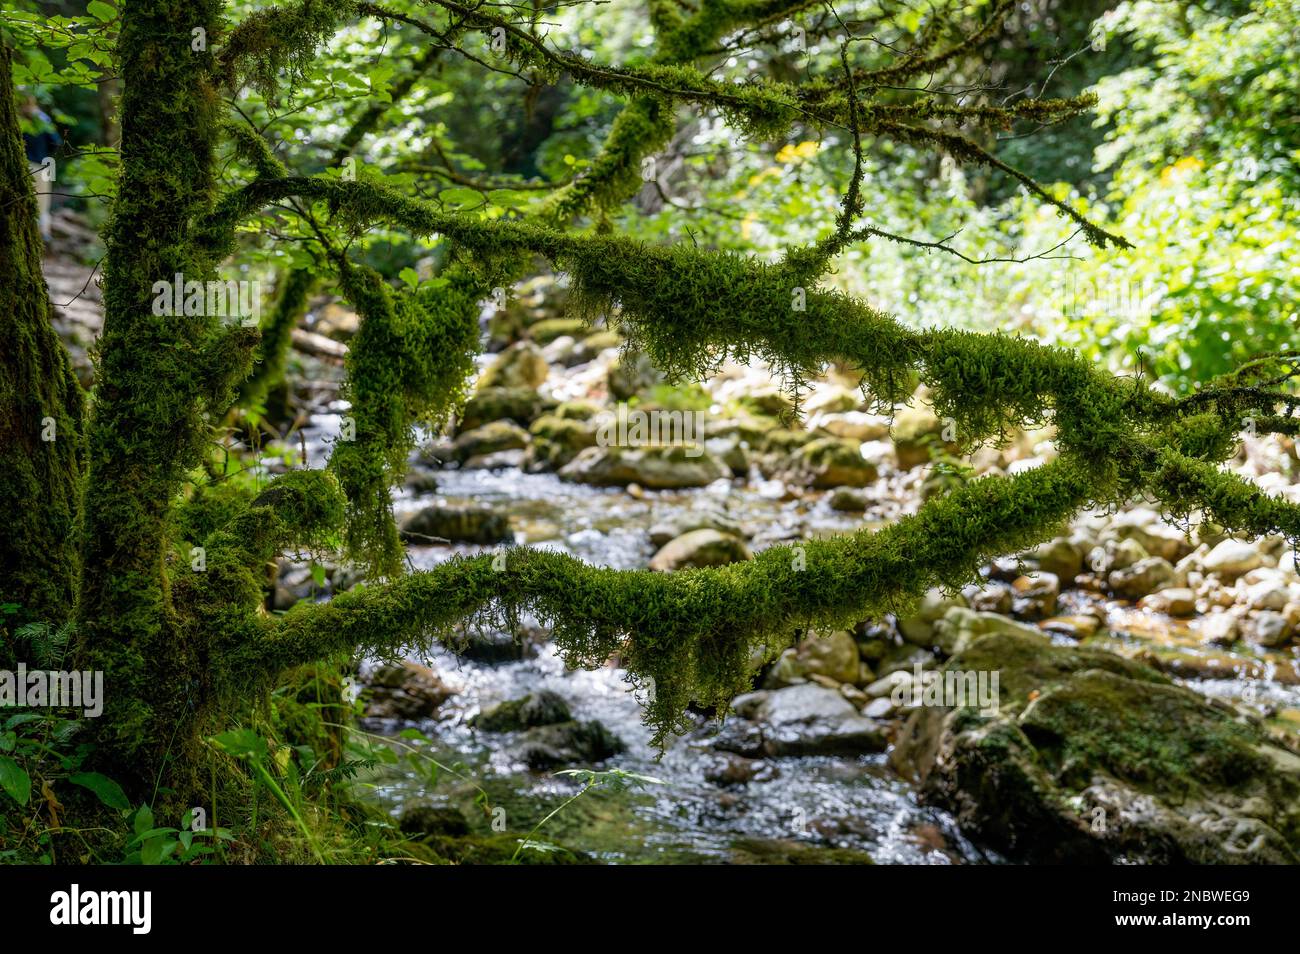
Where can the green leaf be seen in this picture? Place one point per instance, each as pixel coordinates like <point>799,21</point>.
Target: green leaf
<point>15,780</point>
<point>241,743</point>
<point>460,196</point>
<point>7,741</point>
<point>107,790</point>
<point>155,850</point>
<point>508,198</point>
<point>143,820</point>
<point>101,11</point>
<point>410,276</point>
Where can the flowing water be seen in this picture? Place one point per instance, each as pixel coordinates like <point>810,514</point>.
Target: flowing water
<point>819,803</point>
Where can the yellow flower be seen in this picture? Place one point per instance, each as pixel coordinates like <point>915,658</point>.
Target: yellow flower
<point>790,154</point>
<point>1181,171</point>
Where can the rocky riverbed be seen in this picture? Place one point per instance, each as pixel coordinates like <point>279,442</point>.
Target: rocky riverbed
<point>1148,705</point>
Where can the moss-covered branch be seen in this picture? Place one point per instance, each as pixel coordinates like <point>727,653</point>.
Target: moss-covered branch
<point>761,109</point>
<point>692,634</point>
<point>408,364</point>
<point>279,40</point>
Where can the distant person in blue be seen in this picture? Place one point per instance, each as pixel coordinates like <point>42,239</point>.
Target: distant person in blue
<point>40,148</point>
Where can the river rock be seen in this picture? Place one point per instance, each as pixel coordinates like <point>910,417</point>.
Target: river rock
<point>833,655</point>
<point>853,425</point>
<point>519,366</point>
<point>918,628</point>
<point>959,627</point>
<point>576,410</point>
<point>1232,558</point>
<point>705,547</point>
<point>1218,629</point>
<point>536,709</point>
<point>492,646</point>
<point>566,743</point>
<point>456,524</point>
<point>1125,553</point>
<point>811,720</point>
<point>1156,537</point>
<point>632,374</point>
<point>832,399</point>
<point>990,598</point>
<point>1075,627</point>
<point>1036,594</point>
<point>700,519</point>
<point>1143,577</point>
<point>421,481</point>
<point>557,440</point>
<point>489,439</point>
<point>1060,557</point>
<point>834,462</point>
<point>1266,595</point>
<point>768,401</point>
<point>521,405</point>
<point>789,851</point>
<point>728,770</point>
<point>422,820</point>
<point>848,500</point>
<point>405,690</point>
<point>593,344</point>
<point>1176,601</point>
<point>1094,758</point>
<point>655,468</point>
<point>1269,629</point>
<point>549,329</point>
<point>916,430</point>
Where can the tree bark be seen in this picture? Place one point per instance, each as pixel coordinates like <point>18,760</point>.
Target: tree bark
<point>41,404</point>
<point>160,377</point>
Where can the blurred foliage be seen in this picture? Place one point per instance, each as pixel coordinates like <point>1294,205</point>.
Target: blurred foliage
<point>1192,153</point>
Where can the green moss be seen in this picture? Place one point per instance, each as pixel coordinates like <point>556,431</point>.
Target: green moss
<point>42,449</point>
<point>1161,738</point>
<point>273,349</point>
<point>408,364</point>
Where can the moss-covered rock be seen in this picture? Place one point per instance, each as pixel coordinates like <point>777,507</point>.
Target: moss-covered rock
<point>917,432</point>
<point>632,374</point>
<point>834,462</point>
<point>547,330</point>
<point>557,440</point>
<point>519,366</point>
<point>655,468</point>
<point>490,439</point>
<point>567,743</point>
<point>536,709</point>
<point>1091,757</point>
<point>704,547</point>
<point>405,690</point>
<point>441,523</point>
<point>521,405</point>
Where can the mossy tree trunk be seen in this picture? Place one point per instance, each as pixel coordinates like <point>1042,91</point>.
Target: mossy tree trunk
<point>41,403</point>
<point>159,378</point>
